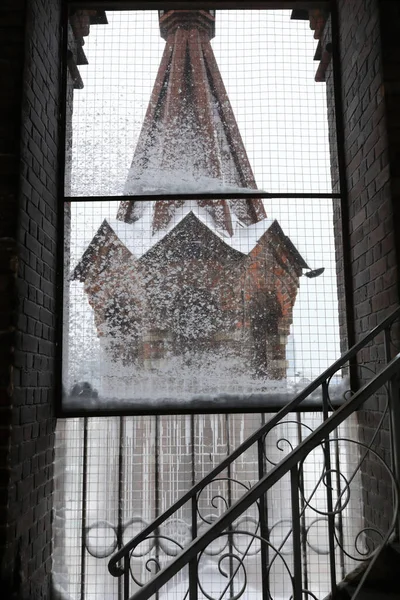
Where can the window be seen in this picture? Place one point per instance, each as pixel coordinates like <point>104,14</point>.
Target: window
<point>200,180</point>
<point>199,192</point>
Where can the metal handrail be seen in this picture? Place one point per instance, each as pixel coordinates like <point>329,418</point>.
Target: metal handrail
<point>264,484</point>
<point>117,571</point>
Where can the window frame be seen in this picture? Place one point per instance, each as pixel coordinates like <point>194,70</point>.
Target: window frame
<point>341,197</point>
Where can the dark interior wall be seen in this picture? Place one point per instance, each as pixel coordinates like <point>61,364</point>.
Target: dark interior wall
<point>29,69</point>
<point>340,232</point>
<point>12,31</point>
<point>29,138</point>
<point>390,42</point>
<point>370,208</point>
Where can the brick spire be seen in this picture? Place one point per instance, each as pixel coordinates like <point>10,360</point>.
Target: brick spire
<point>190,140</point>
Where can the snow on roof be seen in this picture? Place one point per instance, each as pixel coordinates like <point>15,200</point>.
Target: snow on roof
<point>246,237</point>
<point>176,180</point>
<point>139,238</point>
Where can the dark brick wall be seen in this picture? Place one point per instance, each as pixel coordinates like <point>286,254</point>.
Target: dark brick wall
<point>28,160</point>
<point>370,206</point>
<point>12,28</point>
<point>390,24</point>
<point>326,42</point>
<point>366,148</point>
<point>29,138</point>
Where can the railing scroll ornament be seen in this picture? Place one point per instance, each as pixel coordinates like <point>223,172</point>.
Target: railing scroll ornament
<point>230,532</point>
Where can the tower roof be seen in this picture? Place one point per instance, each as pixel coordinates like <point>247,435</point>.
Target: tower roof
<point>190,141</point>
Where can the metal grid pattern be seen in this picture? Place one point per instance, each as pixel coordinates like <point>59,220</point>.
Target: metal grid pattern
<point>127,470</point>
<point>312,345</point>
<point>116,474</point>
<point>266,63</point>
<point>265,59</point>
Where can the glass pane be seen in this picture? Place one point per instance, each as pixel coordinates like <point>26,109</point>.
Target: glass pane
<point>169,310</point>
<point>114,480</point>
<point>163,102</point>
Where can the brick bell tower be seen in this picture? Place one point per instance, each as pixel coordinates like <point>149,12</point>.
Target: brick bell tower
<point>184,278</point>
<point>190,128</point>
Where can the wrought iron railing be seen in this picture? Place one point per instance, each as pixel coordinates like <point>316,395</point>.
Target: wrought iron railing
<point>243,530</point>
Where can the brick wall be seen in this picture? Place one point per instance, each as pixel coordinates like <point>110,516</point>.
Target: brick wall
<point>370,210</point>
<point>29,131</point>
<point>28,155</point>
<point>390,23</point>
<point>339,212</point>
<point>11,67</point>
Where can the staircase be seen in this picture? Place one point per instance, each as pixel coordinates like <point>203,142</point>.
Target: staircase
<point>217,556</point>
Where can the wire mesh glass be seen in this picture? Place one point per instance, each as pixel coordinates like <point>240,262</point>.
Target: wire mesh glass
<point>253,84</point>
<point>259,120</point>
<point>124,471</point>
<point>124,278</point>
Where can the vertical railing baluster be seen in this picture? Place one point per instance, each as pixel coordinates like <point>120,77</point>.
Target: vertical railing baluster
<point>121,490</point>
<point>296,533</point>
<point>303,507</point>
<point>157,490</point>
<point>264,532</point>
<point>230,543</point>
<point>193,588</point>
<point>328,487</point>
<point>84,499</point>
<point>340,512</point>
<point>394,388</point>
<point>394,416</point>
<point>126,577</point>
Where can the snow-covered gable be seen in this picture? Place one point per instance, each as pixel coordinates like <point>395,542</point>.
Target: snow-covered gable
<point>138,237</point>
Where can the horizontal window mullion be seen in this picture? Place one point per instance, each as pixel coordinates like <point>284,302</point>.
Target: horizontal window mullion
<point>204,4</point>
<point>199,196</point>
